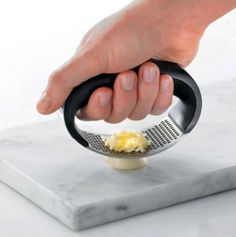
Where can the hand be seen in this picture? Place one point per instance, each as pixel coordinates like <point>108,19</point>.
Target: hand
<point>118,43</point>
<point>133,96</point>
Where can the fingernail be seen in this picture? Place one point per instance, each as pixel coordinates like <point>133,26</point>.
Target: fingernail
<point>44,103</point>
<point>127,82</point>
<point>104,98</point>
<point>149,74</point>
<point>165,83</point>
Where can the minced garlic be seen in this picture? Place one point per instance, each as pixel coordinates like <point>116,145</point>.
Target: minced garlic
<point>127,141</point>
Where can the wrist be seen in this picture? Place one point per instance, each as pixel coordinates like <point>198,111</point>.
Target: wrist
<point>206,12</point>
<point>192,15</point>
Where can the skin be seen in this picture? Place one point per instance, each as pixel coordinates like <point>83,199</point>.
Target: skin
<point>166,29</point>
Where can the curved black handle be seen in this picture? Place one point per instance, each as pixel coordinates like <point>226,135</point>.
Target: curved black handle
<point>185,114</point>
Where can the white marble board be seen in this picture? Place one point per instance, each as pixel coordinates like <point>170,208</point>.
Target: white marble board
<point>44,164</point>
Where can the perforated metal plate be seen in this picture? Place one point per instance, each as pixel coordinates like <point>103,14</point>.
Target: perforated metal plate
<point>162,134</point>
<point>95,141</point>
<point>161,137</point>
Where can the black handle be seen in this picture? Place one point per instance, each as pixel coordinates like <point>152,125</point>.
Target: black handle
<point>185,114</point>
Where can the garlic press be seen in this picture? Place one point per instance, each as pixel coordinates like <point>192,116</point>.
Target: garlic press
<point>180,120</point>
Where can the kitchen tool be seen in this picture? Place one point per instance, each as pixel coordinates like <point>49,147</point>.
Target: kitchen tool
<point>180,120</point>
<point>72,184</point>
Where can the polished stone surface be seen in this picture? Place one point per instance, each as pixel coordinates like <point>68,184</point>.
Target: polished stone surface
<point>75,186</point>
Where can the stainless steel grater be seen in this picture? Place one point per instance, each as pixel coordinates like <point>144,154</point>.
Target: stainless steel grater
<point>181,119</point>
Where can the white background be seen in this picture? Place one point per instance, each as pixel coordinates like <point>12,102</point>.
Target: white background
<point>36,36</point>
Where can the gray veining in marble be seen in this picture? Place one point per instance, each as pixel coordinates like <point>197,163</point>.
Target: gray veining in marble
<point>75,186</point>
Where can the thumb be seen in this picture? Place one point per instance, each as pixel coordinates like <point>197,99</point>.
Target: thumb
<point>78,69</point>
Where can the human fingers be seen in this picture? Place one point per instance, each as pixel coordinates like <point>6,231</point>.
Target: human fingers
<point>99,105</point>
<point>165,95</point>
<point>148,88</point>
<point>124,96</point>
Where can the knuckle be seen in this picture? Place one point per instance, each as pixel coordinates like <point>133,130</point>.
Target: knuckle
<point>169,103</point>
<point>137,117</point>
<point>81,114</point>
<point>158,110</point>
<point>140,110</point>
<point>56,77</point>
<point>116,117</point>
<point>113,120</point>
<point>119,110</point>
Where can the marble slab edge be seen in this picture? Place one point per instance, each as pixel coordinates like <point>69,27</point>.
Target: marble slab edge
<point>127,205</point>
